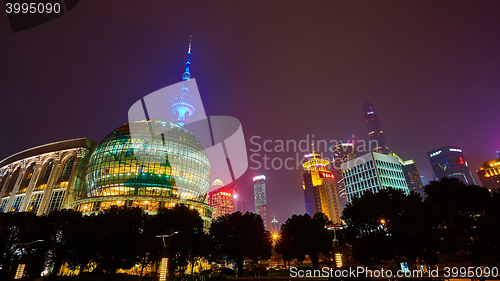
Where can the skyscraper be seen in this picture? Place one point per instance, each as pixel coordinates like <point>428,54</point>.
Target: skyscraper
<point>372,172</point>
<point>377,139</point>
<point>184,104</point>
<point>259,188</point>
<point>449,161</point>
<point>412,176</point>
<point>320,190</point>
<point>341,153</point>
<point>489,174</point>
<point>275,225</point>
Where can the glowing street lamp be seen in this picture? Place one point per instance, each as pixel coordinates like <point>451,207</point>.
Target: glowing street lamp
<point>20,268</point>
<point>336,247</point>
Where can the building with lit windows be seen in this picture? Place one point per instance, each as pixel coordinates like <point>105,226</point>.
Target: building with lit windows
<point>341,153</point>
<point>44,178</point>
<point>221,199</point>
<point>148,171</point>
<point>449,161</point>
<point>489,174</point>
<point>377,139</point>
<point>259,192</point>
<point>320,189</point>
<point>373,172</point>
<point>412,176</point>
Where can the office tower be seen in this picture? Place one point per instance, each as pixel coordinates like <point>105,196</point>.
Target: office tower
<point>449,161</point>
<point>424,183</point>
<point>489,174</point>
<point>275,225</point>
<point>320,190</point>
<point>412,176</point>
<point>377,139</point>
<point>372,172</point>
<point>222,201</point>
<point>341,153</point>
<point>259,189</point>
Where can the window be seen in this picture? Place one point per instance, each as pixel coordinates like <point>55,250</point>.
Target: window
<point>42,182</point>
<point>56,200</point>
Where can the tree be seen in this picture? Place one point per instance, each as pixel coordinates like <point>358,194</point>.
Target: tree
<point>389,225</point>
<point>302,235</point>
<point>464,215</point>
<point>238,237</point>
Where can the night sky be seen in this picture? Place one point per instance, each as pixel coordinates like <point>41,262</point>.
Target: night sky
<point>285,69</point>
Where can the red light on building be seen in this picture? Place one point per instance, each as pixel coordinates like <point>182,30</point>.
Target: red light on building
<point>461,160</point>
<point>225,193</point>
<point>328,175</point>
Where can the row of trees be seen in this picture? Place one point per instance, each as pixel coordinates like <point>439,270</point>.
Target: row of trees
<point>386,226</point>
<point>123,237</point>
<point>454,220</point>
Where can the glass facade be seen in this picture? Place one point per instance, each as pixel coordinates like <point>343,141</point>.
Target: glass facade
<point>173,166</point>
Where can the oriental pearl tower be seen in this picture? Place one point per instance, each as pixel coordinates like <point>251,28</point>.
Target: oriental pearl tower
<point>184,104</point>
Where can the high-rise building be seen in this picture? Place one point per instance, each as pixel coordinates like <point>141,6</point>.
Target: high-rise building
<point>372,172</point>
<point>489,174</point>
<point>424,183</point>
<point>275,225</point>
<point>222,201</point>
<point>449,161</point>
<point>320,189</point>
<point>377,139</point>
<point>412,176</point>
<point>259,188</point>
<point>498,153</point>
<point>341,153</point>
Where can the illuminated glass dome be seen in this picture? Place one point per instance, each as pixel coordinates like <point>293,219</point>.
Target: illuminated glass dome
<point>174,166</point>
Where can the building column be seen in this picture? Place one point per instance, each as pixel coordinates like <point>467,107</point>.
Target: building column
<point>34,179</point>
<point>4,187</point>
<point>48,189</point>
<point>16,185</point>
<point>70,190</point>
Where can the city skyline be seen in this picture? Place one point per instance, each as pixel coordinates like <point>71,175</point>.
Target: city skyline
<point>432,77</point>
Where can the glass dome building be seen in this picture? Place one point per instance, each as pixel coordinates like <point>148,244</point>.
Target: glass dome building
<point>147,170</point>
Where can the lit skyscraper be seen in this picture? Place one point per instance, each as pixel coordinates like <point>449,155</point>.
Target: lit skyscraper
<point>320,190</point>
<point>377,139</point>
<point>489,174</point>
<point>449,161</point>
<point>184,104</point>
<point>412,176</point>
<point>225,199</point>
<point>259,188</point>
<point>341,153</point>
<point>275,225</point>
<point>372,172</point>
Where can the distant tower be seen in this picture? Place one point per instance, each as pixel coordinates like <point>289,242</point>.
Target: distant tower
<point>259,188</point>
<point>412,176</point>
<point>377,138</point>
<point>341,153</point>
<point>449,161</point>
<point>184,104</point>
<point>275,225</point>
<point>498,154</point>
<point>320,190</point>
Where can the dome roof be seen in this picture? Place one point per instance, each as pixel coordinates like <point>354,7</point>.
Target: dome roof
<point>174,165</point>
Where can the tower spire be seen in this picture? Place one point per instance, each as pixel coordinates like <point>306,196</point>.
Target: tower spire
<point>183,104</point>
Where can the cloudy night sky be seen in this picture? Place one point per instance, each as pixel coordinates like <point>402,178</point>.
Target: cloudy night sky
<point>285,69</point>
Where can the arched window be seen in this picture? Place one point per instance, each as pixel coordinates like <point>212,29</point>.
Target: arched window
<point>12,182</point>
<point>3,180</point>
<point>66,172</point>
<point>28,174</point>
<point>44,178</point>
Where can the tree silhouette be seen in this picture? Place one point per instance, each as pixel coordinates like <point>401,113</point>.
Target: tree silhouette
<point>238,237</point>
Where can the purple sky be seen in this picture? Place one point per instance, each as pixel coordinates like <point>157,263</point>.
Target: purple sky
<point>285,69</point>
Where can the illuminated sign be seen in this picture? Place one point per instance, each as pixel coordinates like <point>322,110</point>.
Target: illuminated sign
<point>435,153</point>
<point>225,193</point>
<point>461,160</point>
<point>262,177</point>
<point>455,149</point>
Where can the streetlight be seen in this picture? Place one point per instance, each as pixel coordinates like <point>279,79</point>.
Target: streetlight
<point>21,266</point>
<point>164,261</point>
<point>336,246</point>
